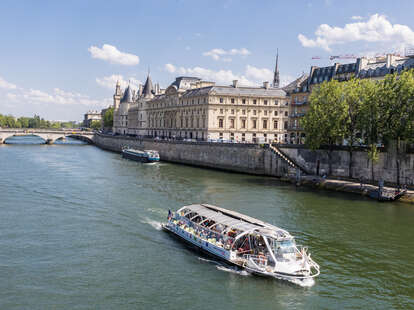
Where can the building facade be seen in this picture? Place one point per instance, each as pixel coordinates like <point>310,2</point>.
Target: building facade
<point>191,108</point>
<point>91,116</point>
<point>195,109</point>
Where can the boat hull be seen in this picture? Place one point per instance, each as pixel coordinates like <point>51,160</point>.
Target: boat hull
<point>142,159</point>
<point>222,255</point>
<point>199,243</point>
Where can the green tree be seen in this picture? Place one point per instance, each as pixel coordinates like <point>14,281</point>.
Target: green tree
<point>108,118</point>
<point>324,123</point>
<point>96,125</point>
<point>353,95</point>
<point>396,106</point>
<point>369,125</point>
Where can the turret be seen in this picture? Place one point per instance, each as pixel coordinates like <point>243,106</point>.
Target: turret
<point>117,95</point>
<point>148,91</point>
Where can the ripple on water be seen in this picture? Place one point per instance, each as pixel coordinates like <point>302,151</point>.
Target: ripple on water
<point>81,226</point>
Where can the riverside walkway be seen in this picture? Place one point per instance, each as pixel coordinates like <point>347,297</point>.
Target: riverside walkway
<point>348,186</point>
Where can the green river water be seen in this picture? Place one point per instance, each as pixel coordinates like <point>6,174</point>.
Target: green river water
<point>80,229</point>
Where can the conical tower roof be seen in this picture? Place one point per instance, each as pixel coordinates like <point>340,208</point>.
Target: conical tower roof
<point>127,95</point>
<point>148,88</point>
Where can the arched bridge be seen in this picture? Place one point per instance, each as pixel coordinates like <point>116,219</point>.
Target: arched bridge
<point>50,136</point>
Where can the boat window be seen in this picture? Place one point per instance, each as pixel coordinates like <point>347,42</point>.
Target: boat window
<point>285,247</point>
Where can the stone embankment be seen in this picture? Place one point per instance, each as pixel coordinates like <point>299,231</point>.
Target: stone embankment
<point>245,158</point>
<point>278,162</point>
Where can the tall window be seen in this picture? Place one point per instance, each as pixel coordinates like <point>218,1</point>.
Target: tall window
<point>221,111</point>
<point>232,123</point>
<point>244,101</point>
<point>254,112</point>
<point>265,102</point>
<point>275,113</point>
<point>254,101</point>
<point>232,111</point>
<point>221,100</point>
<point>265,112</point>
<point>244,112</point>
<point>243,123</point>
<point>286,113</point>
<point>286,125</point>
<point>265,124</point>
<point>220,123</point>
<point>275,124</point>
<point>254,124</point>
<point>232,100</point>
<point>276,102</point>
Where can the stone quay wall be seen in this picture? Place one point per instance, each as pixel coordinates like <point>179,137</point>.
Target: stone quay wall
<point>384,169</point>
<point>244,158</point>
<point>253,159</point>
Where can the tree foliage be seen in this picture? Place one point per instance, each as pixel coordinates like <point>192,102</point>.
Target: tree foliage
<point>9,121</point>
<point>108,118</point>
<point>96,125</point>
<point>364,112</point>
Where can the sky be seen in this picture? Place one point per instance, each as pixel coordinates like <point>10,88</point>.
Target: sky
<point>59,59</point>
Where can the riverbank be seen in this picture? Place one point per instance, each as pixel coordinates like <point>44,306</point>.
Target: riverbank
<point>249,159</point>
<point>346,186</point>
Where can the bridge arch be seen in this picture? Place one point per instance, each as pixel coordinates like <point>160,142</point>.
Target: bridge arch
<point>48,136</point>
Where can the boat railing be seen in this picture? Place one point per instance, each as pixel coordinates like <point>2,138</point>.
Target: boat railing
<point>208,234</point>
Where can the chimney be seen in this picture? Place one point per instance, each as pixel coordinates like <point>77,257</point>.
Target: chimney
<point>266,85</point>
<point>140,90</point>
<point>235,82</point>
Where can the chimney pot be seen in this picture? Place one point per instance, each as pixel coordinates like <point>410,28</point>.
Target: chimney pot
<point>235,82</point>
<point>265,85</point>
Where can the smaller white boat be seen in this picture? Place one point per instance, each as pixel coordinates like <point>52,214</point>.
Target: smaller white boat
<point>243,241</point>
<point>146,156</point>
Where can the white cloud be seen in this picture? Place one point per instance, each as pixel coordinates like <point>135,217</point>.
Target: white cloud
<point>376,29</point>
<point>252,76</point>
<point>259,74</point>
<point>111,54</point>
<point>110,81</point>
<point>218,53</point>
<point>6,85</point>
<point>356,17</point>
<point>170,68</point>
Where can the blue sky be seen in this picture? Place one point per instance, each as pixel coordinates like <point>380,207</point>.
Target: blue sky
<point>53,61</point>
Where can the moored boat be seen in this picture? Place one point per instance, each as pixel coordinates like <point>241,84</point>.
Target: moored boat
<point>146,156</point>
<point>243,241</point>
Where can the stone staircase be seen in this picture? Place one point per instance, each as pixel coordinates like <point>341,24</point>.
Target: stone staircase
<point>289,161</point>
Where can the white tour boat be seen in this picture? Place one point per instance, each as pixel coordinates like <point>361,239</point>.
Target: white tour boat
<point>246,242</point>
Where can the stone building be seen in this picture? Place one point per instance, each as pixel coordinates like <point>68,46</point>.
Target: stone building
<point>371,68</point>
<point>91,116</point>
<point>129,108</point>
<point>194,109</point>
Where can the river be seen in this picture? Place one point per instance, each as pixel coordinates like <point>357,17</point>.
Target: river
<point>80,229</point>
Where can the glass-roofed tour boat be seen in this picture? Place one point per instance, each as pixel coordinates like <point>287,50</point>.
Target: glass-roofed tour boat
<point>246,242</point>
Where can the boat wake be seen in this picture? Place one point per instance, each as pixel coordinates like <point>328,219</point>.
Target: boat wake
<point>233,270</point>
<point>221,267</point>
<point>157,225</point>
<point>208,260</point>
<point>303,283</point>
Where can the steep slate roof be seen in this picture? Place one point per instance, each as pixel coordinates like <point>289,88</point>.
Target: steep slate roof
<point>127,95</point>
<point>296,83</point>
<point>148,88</point>
<point>248,91</point>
